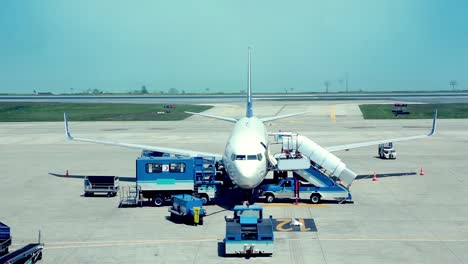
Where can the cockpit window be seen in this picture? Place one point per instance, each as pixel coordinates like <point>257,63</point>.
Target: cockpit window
<point>259,156</point>
<point>240,157</point>
<point>251,157</point>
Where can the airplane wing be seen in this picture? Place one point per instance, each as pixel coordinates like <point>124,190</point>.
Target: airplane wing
<point>376,142</point>
<point>267,119</point>
<point>229,119</point>
<point>182,152</point>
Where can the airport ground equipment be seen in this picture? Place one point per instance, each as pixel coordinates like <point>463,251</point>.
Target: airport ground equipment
<point>5,239</point>
<point>300,153</point>
<point>28,254</point>
<point>319,187</point>
<point>387,151</point>
<point>187,208</point>
<point>101,184</point>
<point>159,178</point>
<point>248,233</point>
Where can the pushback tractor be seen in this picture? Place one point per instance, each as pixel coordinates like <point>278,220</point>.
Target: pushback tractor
<point>248,233</point>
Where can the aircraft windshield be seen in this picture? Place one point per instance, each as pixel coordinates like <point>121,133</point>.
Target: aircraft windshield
<point>240,157</point>
<point>251,157</point>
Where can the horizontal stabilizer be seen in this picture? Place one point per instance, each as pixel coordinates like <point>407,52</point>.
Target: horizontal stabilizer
<point>229,119</point>
<point>268,119</point>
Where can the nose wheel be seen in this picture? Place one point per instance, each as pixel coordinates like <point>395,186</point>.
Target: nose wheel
<point>249,196</point>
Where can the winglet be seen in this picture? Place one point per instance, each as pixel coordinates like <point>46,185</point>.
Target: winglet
<point>67,131</point>
<point>434,125</point>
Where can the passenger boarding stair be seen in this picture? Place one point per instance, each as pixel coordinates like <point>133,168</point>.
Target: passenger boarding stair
<point>310,160</point>
<point>315,177</point>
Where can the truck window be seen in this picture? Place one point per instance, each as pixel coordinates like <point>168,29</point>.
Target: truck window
<point>177,167</point>
<point>153,168</point>
<point>287,184</point>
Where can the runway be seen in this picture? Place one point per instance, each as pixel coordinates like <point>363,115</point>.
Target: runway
<point>440,97</point>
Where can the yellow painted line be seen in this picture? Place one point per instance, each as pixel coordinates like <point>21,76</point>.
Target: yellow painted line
<point>333,113</point>
<point>293,205</point>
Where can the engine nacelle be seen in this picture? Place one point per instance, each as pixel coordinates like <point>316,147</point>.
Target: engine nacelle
<point>321,157</point>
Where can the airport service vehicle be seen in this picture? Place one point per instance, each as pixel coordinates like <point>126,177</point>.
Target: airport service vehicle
<point>5,239</point>
<point>387,151</point>
<point>248,233</point>
<point>246,156</point>
<point>28,254</point>
<point>187,208</point>
<point>159,178</point>
<point>319,187</point>
<point>101,184</point>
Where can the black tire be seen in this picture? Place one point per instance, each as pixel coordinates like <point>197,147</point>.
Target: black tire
<point>205,199</point>
<point>109,194</point>
<point>269,198</point>
<point>158,200</point>
<point>315,198</point>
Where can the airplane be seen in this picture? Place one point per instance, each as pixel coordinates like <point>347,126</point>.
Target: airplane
<point>246,157</point>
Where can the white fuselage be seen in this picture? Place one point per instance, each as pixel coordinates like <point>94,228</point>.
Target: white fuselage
<point>245,156</point>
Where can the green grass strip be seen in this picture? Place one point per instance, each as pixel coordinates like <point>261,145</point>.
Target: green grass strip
<point>47,112</point>
<point>417,111</point>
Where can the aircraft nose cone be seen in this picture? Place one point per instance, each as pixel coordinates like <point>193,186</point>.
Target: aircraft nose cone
<point>248,178</point>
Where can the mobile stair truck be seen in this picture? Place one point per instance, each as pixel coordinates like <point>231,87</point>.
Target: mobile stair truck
<point>248,233</point>
<point>317,188</point>
<point>187,208</point>
<point>159,178</point>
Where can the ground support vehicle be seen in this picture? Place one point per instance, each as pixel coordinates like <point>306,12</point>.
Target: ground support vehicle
<point>101,184</point>
<point>159,178</point>
<point>248,233</point>
<point>319,187</point>
<point>28,254</point>
<point>187,208</point>
<point>387,151</point>
<point>5,239</point>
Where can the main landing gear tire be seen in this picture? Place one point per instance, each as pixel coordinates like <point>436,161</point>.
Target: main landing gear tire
<point>269,198</point>
<point>315,198</point>
<point>158,200</point>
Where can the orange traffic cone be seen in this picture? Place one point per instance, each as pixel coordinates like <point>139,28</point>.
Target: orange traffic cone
<point>421,172</point>
<point>374,178</point>
<point>66,173</point>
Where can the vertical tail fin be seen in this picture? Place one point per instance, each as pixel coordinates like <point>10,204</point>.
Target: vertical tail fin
<point>249,93</point>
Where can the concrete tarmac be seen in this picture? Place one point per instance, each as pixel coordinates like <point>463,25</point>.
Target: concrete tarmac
<point>398,219</point>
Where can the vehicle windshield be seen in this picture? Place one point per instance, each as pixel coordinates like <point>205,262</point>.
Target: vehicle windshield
<point>255,213</point>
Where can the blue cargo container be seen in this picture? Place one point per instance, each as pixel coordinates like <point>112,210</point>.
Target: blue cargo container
<point>188,208</point>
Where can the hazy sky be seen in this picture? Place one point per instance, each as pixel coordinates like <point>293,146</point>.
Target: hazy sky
<point>113,45</point>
